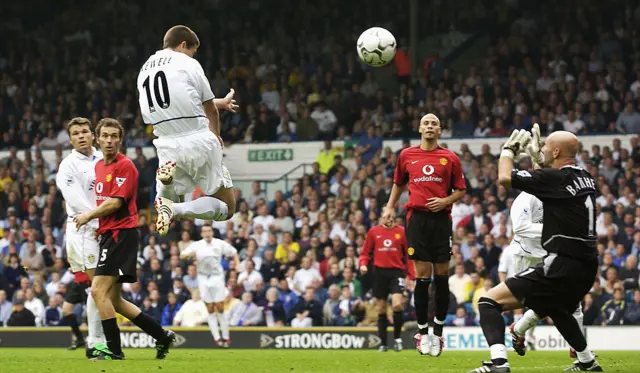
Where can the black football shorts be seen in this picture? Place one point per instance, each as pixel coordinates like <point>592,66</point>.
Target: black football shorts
<point>119,255</point>
<point>558,282</point>
<point>429,236</point>
<point>387,281</point>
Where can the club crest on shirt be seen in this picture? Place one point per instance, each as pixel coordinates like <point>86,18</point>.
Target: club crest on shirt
<point>91,258</point>
<point>411,251</point>
<point>109,178</point>
<point>397,236</point>
<point>443,161</point>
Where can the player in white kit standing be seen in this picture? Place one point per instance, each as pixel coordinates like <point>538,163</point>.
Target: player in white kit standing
<point>526,219</point>
<point>209,252</point>
<point>176,98</point>
<point>76,179</point>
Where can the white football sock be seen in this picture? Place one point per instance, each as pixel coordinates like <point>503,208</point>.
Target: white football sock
<point>527,321</point>
<point>205,208</point>
<point>213,325</point>
<point>579,316</point>
<point>224,325</point>
<point>94,324</point>
<point>166,191</point>
<point>585,356</point>
<point>498,351</point>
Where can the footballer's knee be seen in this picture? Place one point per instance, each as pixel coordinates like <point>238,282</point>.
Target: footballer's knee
<point>211,307</point>
<point>219,307</point>
<point>396,302</point>
<point>67,309</point>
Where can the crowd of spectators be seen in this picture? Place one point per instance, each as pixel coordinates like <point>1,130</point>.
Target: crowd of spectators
<point>299,247</point>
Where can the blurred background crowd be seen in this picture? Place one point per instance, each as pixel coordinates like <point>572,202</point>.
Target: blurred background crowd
<point>571,65</point>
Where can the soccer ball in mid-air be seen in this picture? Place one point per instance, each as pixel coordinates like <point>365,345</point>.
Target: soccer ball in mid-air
<point>376,46</point>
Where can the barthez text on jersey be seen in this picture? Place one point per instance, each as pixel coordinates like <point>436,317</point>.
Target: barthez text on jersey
<point>580,183</point>
<point>156,63</point>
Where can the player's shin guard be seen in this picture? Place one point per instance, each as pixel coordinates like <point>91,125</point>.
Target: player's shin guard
<point>398,320</point>
<point>205,208</point>
<point>224,325</point>
<point>383,323</point>
<point>213,326</point>
<point>112,335</point>
<point>94,324</point>
<point>492,325</point>
<point>442,303</point>
<point>421,295</point>
<point>150,326</point>
<point>528,321</point>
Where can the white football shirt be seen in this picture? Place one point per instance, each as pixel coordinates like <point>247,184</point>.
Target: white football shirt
<point>209,255</point>
<point>171,88</point>
<point>526,221</point>
<point>76,178</point>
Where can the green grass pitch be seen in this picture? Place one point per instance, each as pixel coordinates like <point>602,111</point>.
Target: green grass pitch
<point>23,360</point>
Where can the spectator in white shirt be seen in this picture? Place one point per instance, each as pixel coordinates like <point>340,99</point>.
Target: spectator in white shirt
<point>53,286</point>
<point>245,313</point>
<point>305,275</point>
<point>263,218</point>
<point>461,210</point>
<point>339,229</point>
<point>250,255</point>
<point>465,99</point>
<point>325,118</point>
<point>260,235</point>
<point>34,305</point>
<point>458,282</point>
<point>193,312</point>
<point>249,277</point>
<point>152,245</point>
<point>573,124</point>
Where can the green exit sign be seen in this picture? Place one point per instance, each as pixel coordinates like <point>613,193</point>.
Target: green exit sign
<point>270,155</point>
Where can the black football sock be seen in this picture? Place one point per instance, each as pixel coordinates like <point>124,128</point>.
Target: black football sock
<point>442,303</point>
<point>383,323</point>
<point>492,325</point>
<point>421,295</point>
<point>150,326</point>
<point>71,321</point>
<point>112,335</point>
<point>398,320</point>
<point>570,330</point>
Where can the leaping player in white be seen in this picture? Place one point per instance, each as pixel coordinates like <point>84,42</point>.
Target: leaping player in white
<point>209,252</point>
<point>176,98</point>
<point>76,178</point>
<point>526,218</point>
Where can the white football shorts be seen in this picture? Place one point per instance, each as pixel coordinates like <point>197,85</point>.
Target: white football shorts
<point>198,157</point>
<point>212,288</point>
<point>522,262</point>
<point>82,247</point>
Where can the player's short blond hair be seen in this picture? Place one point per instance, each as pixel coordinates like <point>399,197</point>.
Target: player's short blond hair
<point>178,34</point>
<point>112,123</point>
<point>78,121</point>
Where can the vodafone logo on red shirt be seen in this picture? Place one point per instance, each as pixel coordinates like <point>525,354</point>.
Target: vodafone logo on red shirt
<point>428,170</point>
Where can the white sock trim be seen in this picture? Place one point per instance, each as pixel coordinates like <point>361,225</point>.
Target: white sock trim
<point>498,351</point>
<point>585,356</point>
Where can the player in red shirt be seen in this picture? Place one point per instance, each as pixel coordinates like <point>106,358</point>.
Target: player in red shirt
<point>116,188</point>
<point>391,266</point>
<point>431,173</point>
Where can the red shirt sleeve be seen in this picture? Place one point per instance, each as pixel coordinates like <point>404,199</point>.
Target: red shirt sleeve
<point>400,175</point>
<point>125,181</point>
<point>411,270</point>
<point>367,248</point>
<point>457,176</point>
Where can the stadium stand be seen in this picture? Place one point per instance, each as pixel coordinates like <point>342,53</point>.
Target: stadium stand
<point>583,76</point>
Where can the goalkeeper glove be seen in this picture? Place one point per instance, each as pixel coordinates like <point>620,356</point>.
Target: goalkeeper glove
<point>533,149</point>
<point>517,142</point>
